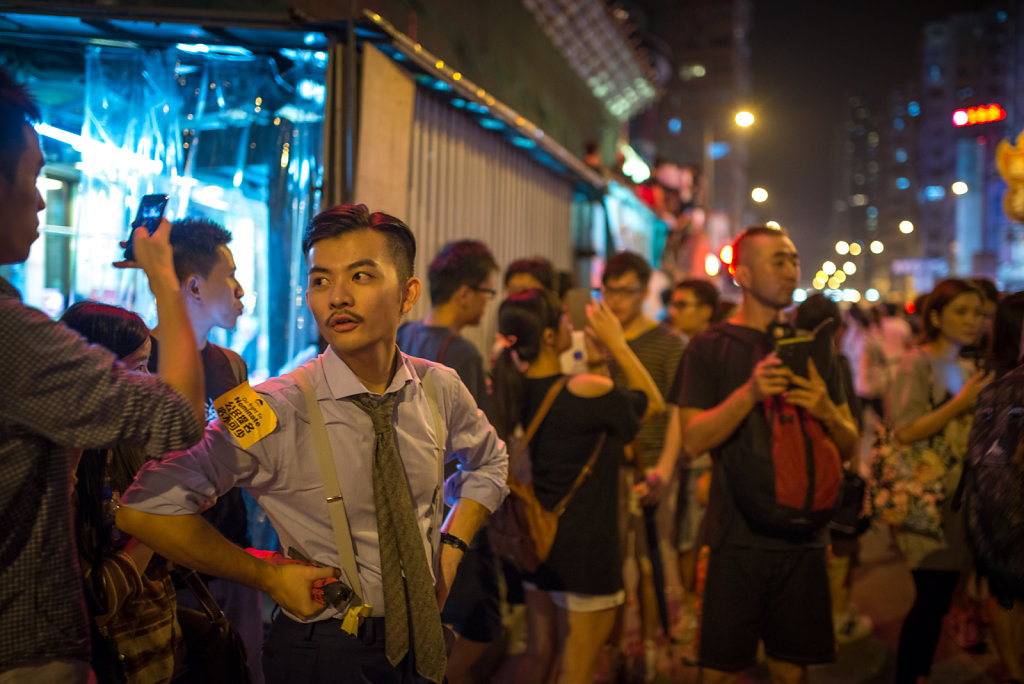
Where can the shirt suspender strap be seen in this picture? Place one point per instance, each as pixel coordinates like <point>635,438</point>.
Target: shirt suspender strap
<point>332,488</point>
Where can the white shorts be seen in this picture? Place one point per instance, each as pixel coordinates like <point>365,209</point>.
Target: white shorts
<point>582,603</point>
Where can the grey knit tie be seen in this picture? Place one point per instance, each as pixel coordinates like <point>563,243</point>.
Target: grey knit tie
<point>409,598</point>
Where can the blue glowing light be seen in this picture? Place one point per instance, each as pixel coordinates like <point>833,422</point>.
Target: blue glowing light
<point>901,155</point>
<point>897,123</point>
<point>717,150</point>
<point>913,108</point>
<point>675,125</point>
<point>524,143</point>
<point>872,212</point>
<point>934,193</point>
<point>902,183</point>
<point>491,124</point>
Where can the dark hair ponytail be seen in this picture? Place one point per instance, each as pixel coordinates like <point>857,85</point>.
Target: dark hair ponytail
<point>522,319</point>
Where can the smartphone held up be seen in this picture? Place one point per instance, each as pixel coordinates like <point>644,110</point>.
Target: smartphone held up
<point>150,213</point>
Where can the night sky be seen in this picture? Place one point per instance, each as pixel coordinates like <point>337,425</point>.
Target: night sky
<point>806,57</point>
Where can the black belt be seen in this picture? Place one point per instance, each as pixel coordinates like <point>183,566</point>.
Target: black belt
<point>370,631</point>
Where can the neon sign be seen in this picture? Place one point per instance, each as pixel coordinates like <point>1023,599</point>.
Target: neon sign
<point>978,115</point>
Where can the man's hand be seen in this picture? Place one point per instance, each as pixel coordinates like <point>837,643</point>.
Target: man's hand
<point>153,254</point>
<point>291,586</point>
<point>811,393</point>
<point>653,487</point>
<point>449,565</point>
<point>769,378</point>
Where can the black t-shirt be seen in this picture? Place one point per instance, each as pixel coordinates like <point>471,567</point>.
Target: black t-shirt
<point>716,363</point>
<point>223,370</point>
<point>585,555</point>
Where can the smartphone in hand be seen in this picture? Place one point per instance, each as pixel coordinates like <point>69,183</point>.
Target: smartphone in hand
<point>794,352</point>
<point>151,211</point>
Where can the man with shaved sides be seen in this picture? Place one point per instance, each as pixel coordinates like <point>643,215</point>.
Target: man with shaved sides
<point>762,584</point>
<point>389,421</point>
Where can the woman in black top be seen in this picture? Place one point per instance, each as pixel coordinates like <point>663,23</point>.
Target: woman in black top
<point>571,600</point>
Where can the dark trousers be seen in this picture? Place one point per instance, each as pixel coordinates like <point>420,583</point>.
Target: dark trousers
<point>297,653</point>
<point>921,628</point>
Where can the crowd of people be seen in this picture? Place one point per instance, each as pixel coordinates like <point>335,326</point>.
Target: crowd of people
<point>721,435</point>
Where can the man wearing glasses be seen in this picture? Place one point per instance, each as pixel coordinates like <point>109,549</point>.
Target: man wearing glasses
<point>693,306</point>
<point>462,282</point>
<point>624,288</point>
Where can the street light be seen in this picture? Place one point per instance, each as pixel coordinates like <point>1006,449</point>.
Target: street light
<point>876,247</point>
<point>855,248</point>
<point>759,195</point>
<point>849,268</point>
<point>906,227</point>
<point>959,188</point>
<point>842,247</point>
<point>744,119</point>
<point>828,267</point>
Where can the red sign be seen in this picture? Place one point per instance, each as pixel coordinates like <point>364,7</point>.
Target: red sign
<point>978,115</point>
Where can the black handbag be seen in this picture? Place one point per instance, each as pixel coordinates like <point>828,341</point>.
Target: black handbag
<point>849,520</point>
<point>214,650</point>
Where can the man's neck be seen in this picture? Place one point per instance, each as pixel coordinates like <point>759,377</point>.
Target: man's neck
<point>754,314</point>
<point>444,316</point>
<point>374,366</point>
<point>638,326</point>
<point>201,334</point>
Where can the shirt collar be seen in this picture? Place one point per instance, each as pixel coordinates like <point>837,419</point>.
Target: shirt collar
<point>343,383</point>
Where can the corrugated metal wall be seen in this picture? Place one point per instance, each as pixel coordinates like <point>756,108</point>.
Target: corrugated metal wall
<point>467,182</point>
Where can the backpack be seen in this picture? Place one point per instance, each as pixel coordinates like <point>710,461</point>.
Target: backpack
<point>991,490</point>
<point>522,531</point>
<point>785,472</point>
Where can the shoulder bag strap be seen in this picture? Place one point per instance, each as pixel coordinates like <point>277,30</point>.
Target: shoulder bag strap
<point>202,593</point>
<point>587,469</point>
<point>520,447</point>
<point>332,488</point>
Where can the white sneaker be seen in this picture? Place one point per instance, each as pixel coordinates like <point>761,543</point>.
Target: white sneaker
<point>851,627</point>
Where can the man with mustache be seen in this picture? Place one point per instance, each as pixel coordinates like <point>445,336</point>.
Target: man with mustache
<point>377,405</point>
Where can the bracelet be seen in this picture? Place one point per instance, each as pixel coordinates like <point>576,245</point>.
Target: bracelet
<point>452,540</point>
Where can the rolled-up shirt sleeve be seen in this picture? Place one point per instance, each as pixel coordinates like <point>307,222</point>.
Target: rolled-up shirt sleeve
<point>483,461</point>
<point>190,481</point>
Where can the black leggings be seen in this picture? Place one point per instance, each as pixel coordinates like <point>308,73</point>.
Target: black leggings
<point>921,628</point>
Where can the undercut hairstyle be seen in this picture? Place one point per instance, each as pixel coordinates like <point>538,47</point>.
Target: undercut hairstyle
<point>704,290</point>
<point>739,247</point>
<point>194,242</point>
<point>117,329</point>
<point>522,319</point>
<point>463,262</point>
<point>17,109</point>
<point>346,218</point>
<point>538,267</point>
<point>939,298</point>
<point>621,263</point>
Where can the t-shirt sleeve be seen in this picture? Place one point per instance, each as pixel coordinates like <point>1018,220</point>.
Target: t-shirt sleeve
<point>911,389</point>
<point>696,380</point>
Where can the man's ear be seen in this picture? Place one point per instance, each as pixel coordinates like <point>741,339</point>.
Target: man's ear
<point>411,293</point>
<point>742,275</point>
<point>192,287</point>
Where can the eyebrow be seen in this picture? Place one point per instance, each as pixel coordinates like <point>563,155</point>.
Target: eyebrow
<point>362,263</point>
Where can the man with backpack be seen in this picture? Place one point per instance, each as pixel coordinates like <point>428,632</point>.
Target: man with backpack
<point>775,434</point>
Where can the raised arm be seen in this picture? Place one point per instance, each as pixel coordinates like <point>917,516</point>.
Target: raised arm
<point>608,331</point>
<point>180,365</point>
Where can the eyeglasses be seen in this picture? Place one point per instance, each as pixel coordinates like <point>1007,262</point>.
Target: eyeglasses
<point>683,305</point>
<point>484,290</point>
<point>621,291</point>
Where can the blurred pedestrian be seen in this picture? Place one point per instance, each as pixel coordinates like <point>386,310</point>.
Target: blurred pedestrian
<point>762,584</point>
<point>129,592</point>
<point>934,392</point>
<point>572,598</point>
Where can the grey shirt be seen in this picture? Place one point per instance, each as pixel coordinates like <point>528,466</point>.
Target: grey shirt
<point>60,395</point>
<point>281,472</point>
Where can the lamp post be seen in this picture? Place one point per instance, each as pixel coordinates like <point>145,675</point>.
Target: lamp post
<point>743,119</point>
